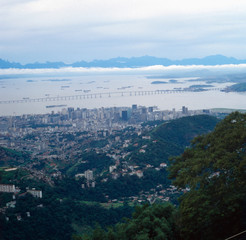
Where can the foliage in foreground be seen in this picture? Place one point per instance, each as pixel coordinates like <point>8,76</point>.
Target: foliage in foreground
<point>214,169</point>
<point>51,219</point>
<point>148,222</point>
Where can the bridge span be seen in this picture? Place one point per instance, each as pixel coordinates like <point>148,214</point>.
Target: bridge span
<point>98,95</point>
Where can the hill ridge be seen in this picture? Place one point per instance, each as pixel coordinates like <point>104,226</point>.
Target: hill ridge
<point>123,62</point>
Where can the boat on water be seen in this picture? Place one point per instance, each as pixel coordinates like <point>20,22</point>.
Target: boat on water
<point>54,106</point>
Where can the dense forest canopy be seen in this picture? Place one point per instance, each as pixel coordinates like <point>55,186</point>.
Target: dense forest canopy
<point>148,222</point>
<point>214,168</point>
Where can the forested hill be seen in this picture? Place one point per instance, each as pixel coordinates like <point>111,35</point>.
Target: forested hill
<point>181,131</point>
<point>170,139</point>
<point>10,157</point>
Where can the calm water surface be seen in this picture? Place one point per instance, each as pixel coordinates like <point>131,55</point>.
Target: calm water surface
<point>42,87</point>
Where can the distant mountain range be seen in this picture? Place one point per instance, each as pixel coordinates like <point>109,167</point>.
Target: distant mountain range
<point>132,62</point>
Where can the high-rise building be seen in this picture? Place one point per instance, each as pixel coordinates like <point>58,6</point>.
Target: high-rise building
<point>134,107</point>
<point>116,116</point>
<point>124,115</point>
<point>184,110</point>
<point>151,109</point>
<point>70,111</point>
<point>144,110</point>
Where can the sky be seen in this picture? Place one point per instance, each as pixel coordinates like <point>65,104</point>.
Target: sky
<point>75,30</point>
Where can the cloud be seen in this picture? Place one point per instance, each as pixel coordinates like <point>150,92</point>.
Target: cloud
<point>71,30</point>
<point>55,13</point>
<point>5,3</point>
<point>232,68</point>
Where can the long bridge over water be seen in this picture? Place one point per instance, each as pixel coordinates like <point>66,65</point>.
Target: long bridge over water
<point>99,95</point>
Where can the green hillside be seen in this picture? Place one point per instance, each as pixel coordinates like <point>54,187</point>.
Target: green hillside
<point>170,139</point>
<point>181,131</point>
<point>10,157</point>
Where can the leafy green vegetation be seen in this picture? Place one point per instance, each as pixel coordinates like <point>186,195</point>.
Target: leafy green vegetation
<point>90,160</point>
<point>171,138</point>
<point>131,185</point>
<point>181,131</point>
<point>10,157</point>
<point>4,198</point>
<point>53,219</point>
<point>124,186</point>
<point>148,222</point>
<point>214,168</point>
<point>15,176</point>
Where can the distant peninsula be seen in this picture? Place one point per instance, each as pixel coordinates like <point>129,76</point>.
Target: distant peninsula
<point>122,62</point>
<point>238,87</point>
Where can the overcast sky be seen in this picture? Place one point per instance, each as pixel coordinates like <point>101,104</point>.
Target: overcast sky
<point>74,30</point>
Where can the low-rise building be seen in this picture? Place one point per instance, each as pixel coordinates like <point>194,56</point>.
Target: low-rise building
<point>139,173</point>
<point>9,188</point>
<point>162,165</point>
<point>89,175</point>
<point>36,193</point>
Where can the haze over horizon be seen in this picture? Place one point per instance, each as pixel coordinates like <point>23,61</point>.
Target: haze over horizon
<point>73,30</point>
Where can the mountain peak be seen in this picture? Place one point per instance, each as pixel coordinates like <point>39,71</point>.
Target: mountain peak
<point>132,62</point>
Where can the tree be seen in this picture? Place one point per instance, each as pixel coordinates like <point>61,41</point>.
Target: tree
<point>214,168</point>
<point>155,222</point>
<point>150,222</point>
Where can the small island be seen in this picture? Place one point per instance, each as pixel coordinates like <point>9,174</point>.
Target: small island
<point>173,81</point>
<point>201,86</point>
<point>158,82</point>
